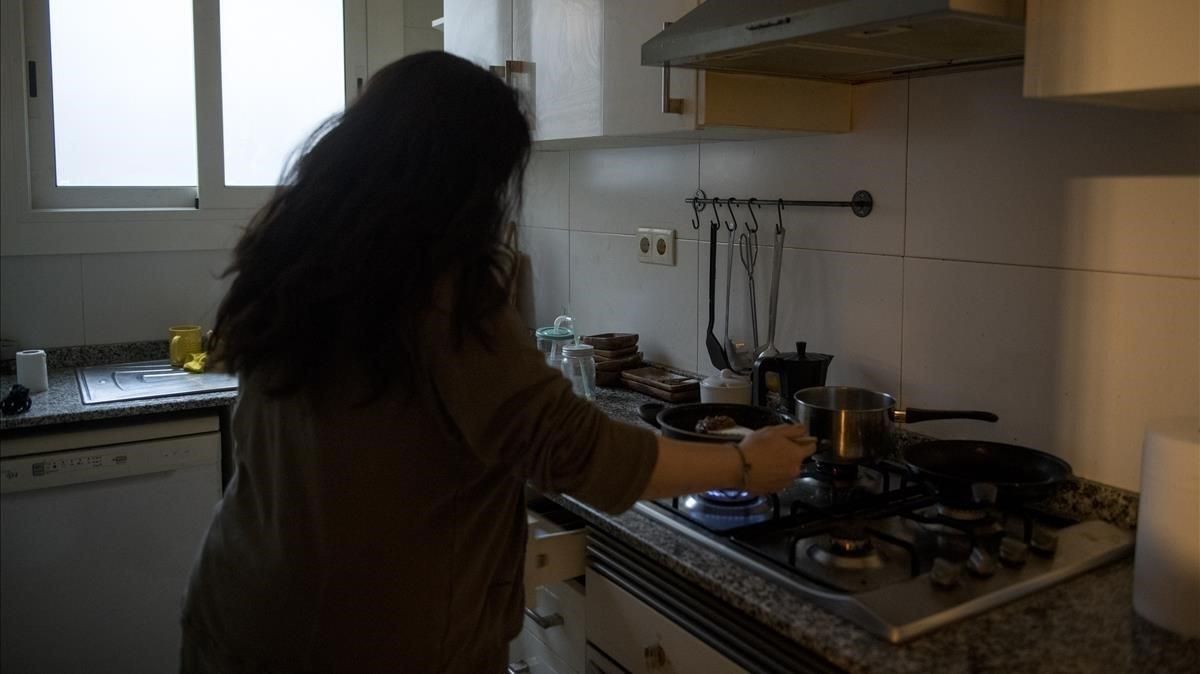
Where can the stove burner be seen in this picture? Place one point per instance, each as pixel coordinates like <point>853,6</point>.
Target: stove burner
<point>853,553</point>
<point>726,508</point>
<point>961,514</point>
<point>838,473</point>
<point>729,497</point>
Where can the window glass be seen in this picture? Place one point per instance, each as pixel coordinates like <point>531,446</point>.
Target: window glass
<point>124,92</point>
<point>282,74</point>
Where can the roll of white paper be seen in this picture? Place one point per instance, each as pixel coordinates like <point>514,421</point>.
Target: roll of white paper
<point>1166,572</point>
<point>31,370</point>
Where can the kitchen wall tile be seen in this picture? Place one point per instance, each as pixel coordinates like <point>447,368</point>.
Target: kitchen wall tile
<point>136,296</point>
<point>41,301</point>
<point>547,190</point>
<point>545,289</point>
<point>828,167</point>
<point>612,292</point>
<point>1074,363</point>
<point>816,289</point>
<point>422,39</point>
<point>619,190</point>
<point>995,177</point>
<point>421,13</point>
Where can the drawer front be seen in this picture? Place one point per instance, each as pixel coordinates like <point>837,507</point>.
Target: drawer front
<point>560,602</point>
<point>528,655</point>
<point>643,640</point>
<point>552,555</point>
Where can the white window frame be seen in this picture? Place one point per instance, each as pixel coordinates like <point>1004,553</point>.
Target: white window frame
<point>211,190</point>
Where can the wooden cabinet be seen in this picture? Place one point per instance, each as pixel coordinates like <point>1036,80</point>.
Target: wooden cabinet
<point>1114,52</point>
<point>578,65</point>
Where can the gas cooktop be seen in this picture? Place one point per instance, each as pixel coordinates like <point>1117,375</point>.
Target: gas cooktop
<point>875,546</point>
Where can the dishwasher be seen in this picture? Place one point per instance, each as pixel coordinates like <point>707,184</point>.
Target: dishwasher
<point>98,531</point>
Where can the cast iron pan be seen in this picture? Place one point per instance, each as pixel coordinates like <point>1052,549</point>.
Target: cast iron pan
<point>1019,473</point>
<point>679,421</point>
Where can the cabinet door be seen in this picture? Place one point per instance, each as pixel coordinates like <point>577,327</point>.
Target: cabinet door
<point>479,30</point>
<point>558,44</point>
<point>633,93</point>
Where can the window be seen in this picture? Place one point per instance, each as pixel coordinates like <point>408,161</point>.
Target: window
<point>174,103</point>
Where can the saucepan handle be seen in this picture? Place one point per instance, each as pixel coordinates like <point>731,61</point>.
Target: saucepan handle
<point>913,415</point>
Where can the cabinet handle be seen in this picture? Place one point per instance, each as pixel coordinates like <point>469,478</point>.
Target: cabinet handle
<point>518,667</point>
<point>670,106</point>
<point>544,622</point>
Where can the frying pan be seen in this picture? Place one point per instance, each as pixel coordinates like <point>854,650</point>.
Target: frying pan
<point>679,421</point>
<point>1019,474</point>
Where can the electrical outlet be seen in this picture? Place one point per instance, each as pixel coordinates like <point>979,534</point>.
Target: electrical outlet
<point>663,247</point>
<point>645,244</point>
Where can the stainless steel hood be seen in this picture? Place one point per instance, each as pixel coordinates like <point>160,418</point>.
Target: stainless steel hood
<point>846,40</point>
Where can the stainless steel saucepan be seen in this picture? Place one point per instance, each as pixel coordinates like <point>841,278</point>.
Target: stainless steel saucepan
<point>854,424</point>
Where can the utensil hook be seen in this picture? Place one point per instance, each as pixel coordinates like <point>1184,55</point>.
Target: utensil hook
<point>779,224</point>
<point>752,202</point>
<point>731,226</point>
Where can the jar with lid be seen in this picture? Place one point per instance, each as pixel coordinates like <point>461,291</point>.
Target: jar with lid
<point>578,365</point>
<point>551,340</point>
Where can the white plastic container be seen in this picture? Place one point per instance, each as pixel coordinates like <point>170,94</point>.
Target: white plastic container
<point>726,387</point>
<point>1166,570</point>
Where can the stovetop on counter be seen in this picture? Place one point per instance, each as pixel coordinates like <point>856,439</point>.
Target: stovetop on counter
<point>1083,624</point>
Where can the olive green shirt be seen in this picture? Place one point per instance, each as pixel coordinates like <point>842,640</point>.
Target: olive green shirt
<point>391,537</point>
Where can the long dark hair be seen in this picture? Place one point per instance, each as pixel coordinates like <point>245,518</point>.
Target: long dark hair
<point>413,185</point>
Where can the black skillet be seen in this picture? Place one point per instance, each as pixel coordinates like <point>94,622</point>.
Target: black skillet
<point>679,421</point>
<point>954,467</point>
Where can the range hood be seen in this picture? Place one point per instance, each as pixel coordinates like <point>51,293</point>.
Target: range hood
<point>845,41</point>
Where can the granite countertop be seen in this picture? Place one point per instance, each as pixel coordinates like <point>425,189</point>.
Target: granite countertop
<point>62,403</point>
<point>1085,624</point>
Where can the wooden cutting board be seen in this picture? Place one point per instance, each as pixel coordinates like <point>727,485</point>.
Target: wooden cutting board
<point>686,396</point>
<point>661,379</point>
<point>616,366</point>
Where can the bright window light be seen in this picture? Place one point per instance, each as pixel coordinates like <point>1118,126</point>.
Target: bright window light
<point>282,74</point>
<point>124,92</point>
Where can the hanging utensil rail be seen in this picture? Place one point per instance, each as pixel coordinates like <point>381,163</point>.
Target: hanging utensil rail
<point>861,203</point>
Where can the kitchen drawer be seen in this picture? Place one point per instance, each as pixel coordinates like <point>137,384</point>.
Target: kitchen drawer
<point>528,655</point>
<point>555,550</point>
<point>642,640</point>
<point>560,607</point>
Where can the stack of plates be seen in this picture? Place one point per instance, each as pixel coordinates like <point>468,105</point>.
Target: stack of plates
<point>615,352</point>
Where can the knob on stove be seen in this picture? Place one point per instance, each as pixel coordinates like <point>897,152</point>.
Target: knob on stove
<point>981,563</point>
<point>1013,552</point>
<point>1044,541</point>
<point>945,575</point>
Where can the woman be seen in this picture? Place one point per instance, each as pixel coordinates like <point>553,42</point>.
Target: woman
<point>392,406</point>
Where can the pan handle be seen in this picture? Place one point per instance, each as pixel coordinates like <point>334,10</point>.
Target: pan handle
<point>912,415</point>
<point>649,413</point>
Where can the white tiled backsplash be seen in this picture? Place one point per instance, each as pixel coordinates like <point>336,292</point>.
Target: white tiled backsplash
<point>1039,260</point>
<point>1036,259</point>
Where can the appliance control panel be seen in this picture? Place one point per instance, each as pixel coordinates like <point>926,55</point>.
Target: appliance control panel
<point>39,471</point>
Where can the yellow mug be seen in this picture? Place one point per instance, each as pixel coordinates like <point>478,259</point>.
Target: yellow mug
<point>185,340</point>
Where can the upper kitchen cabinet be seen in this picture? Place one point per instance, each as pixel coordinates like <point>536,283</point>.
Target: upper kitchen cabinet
<point>1115,52</point>
<point>578,65</point>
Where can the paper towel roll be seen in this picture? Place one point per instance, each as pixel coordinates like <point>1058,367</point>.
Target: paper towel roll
<point>31,370</point>
<point>1166,573</point>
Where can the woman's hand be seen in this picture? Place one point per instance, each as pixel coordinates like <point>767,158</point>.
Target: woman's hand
<point>773,456</point>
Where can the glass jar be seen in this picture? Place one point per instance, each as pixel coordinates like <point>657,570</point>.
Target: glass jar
<point>550,340</point>
<point>578,365</point>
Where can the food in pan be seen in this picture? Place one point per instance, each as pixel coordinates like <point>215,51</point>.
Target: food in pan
<point>715,423</point>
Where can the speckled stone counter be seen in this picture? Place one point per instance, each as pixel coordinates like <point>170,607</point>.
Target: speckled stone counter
<point>1085,624</point>
<point>63,404</point>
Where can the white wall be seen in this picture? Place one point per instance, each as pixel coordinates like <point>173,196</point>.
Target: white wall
<point>1036,259</point>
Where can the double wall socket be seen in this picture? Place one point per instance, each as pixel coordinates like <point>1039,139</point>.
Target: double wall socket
<point>656,246</point>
